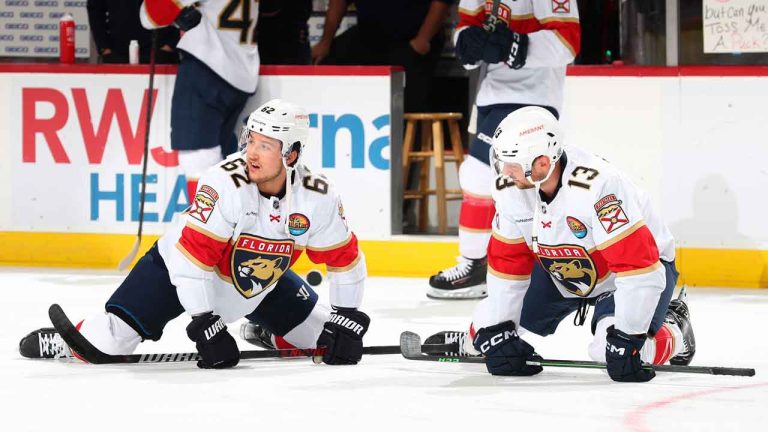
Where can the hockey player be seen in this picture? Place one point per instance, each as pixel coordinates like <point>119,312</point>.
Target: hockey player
<point>230,257</point>
<point>571,231</point>
<point>523,47</point>
<point>217,74</point>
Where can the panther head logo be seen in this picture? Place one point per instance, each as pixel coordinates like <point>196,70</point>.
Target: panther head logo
<point>262,269</point>
<point>573,272</point>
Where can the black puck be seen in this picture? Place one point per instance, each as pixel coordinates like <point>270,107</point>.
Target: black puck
<point>314,278</point>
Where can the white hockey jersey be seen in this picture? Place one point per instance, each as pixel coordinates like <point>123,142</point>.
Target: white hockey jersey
<point>230,247</point>
<point>225,39</point>
<point>599,234</point>
<point>554,36</point>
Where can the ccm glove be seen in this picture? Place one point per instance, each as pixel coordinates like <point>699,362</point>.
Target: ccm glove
<point>622,356</point>
<point>342,336</point>
<point>504,45</point>
<point>216,346</point>
<point>470,44</point>
<point>188,18</point>
<point>505,353</point>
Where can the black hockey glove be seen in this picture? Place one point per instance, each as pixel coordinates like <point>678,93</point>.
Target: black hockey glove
<point>505,353</point>
<point>188,18</point>
<point>622,356</point>
<point>469,46</point>
<point>216,346</point>
<point>506,46</point>
<point>342,336</point>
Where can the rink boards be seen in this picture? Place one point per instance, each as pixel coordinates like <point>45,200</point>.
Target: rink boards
<point>70,155</point>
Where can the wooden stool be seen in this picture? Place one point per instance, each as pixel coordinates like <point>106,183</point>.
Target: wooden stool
<point>432,145</point>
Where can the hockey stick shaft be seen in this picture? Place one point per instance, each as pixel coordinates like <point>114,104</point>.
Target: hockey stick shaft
<point>79,344</point>
<point>150,100</point>
<point>410,342</point>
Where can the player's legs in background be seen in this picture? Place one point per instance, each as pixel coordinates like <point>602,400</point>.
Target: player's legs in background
<point>288,317</point>
<point>204,109</point>
<point>670,335</point>
<point>543,309</point>
<point>467,278</point>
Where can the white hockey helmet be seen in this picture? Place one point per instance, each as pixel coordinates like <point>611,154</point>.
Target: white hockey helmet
<point>524,135</point>
<point>282,121</point>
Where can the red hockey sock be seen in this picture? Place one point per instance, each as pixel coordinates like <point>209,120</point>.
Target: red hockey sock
<point>476,213</point>
<point>665,345</point>
<point>281,343</point>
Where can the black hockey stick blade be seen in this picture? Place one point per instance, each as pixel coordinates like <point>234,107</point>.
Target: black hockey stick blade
<point>76,342</point>
<point>79,344</point>
<point>410,343</point>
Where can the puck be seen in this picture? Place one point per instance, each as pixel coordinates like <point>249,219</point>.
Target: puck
<point>314,278</point>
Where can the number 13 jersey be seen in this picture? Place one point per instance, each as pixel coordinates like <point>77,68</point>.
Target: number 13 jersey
<point>598,234</point>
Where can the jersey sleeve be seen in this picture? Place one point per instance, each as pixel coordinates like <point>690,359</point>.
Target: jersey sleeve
<point>554,33</point>
<point>630,251</point>
<point>332,243</point>
<point>510,263</point>
<point>208,227</point>
<point>161,13</point>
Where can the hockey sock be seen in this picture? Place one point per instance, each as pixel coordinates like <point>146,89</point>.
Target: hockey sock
<point>475,220</point>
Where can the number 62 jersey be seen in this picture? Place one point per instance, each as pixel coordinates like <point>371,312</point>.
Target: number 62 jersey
<point>233,244</point>
<point>598,234</point>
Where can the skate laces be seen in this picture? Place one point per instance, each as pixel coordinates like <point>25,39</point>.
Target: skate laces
<point>52,344</point>
<point>459,270</point>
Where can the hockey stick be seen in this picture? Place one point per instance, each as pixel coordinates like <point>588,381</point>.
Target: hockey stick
<point>91,354</point>
<point>125,262</point>
<point>493,19</point>
<point>410,345</point>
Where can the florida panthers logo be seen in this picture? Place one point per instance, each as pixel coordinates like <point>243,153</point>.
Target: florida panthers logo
<point>572,266</point>
<point>258,263</point>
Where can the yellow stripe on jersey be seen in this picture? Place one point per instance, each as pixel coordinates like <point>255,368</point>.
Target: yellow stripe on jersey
<point>192,259</point>
<point>505,240</point>
<point>477,11</point>
<point>206,233</point>
<point>565,42</point>
<point>641,271</point>
<point>331,247</point>
<point>346,267</point>
<point>613,240</point>
<point>505,276</point>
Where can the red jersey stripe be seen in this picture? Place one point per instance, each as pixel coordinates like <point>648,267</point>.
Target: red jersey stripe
<point>341,256</point>
<point>635,251</point>
<point>471,17</point>
<point>509,259</point>
<point>205,249</point>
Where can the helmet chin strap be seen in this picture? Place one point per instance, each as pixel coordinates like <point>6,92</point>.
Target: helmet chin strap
<point>537,207</point>
<point>288,187</point>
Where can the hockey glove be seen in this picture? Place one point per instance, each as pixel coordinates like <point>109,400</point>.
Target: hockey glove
<point>622,356</point>
<point>216,346</point>
<point>506,46</point>
<point>505,353</point>
<point>188,18</point>
<point>470,44</point>
<point>342,336</point>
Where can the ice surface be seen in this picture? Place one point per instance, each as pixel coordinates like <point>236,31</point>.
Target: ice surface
<point>384,392</point>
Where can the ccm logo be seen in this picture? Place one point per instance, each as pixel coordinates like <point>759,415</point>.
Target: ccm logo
<point>496,339</point>
<point>614,349</point>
